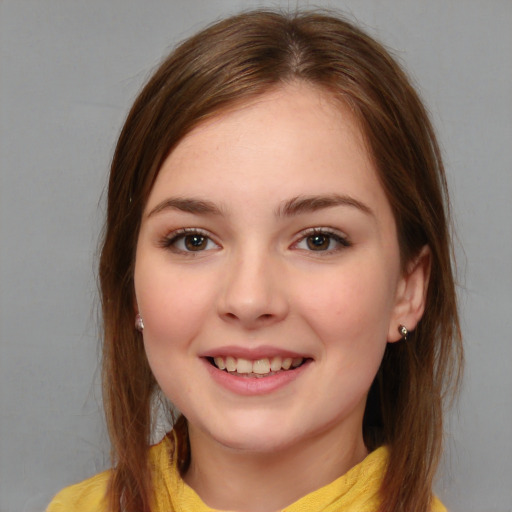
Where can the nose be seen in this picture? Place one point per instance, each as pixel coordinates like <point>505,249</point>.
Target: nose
<point>254,292</point>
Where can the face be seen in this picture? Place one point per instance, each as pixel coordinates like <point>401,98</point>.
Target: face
<point>268,274</point>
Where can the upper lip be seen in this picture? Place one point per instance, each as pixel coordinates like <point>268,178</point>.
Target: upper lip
<point>252,354</point>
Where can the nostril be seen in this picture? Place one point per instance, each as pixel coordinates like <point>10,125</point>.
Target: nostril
<point>263,317</point>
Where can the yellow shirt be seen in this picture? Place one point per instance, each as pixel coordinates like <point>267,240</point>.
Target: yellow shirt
<point>356,491</point>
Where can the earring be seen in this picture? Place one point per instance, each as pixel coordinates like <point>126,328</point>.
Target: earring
<point>139,323</point>
<point>403,332</point>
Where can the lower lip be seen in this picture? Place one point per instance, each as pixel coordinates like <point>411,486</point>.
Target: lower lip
<point>253,386</point>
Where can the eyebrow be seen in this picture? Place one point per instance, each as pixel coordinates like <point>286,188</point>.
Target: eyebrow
<point>295,206</point>
<point>307,204</point>
<point>189,205</point>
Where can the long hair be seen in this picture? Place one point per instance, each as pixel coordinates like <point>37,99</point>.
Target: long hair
<point>225,65</point>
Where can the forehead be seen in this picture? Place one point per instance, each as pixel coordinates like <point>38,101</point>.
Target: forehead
<point>292,138</point>
<point>292,111</point>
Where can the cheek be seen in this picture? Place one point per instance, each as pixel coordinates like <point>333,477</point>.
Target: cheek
<point>354,304</point>
<point>174,307</point>
<point>350,314</point>
<point>172,303</point>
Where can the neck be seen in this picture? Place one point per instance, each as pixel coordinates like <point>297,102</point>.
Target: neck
<point>228,479</point>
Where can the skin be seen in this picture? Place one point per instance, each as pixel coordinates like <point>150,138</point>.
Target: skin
<point>257,281</point>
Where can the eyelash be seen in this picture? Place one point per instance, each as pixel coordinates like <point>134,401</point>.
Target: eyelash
<point>331,234</point>
<point>170,241</point>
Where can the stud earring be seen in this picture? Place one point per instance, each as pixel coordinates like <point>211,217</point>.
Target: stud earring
<point>139,323</point>
<point>403,332</point>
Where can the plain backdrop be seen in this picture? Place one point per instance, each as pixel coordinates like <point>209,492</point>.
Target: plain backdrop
<point>69,71</point>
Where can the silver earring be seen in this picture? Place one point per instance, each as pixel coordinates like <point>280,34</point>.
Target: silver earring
<point>403,332</point>
<point>139,323</point>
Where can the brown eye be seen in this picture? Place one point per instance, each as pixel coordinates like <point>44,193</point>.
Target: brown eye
<point>195,242</point>
<point>322,240</point>
<point>187,240</point>
<point>318,242</point>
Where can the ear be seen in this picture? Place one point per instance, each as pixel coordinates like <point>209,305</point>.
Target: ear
<point>411,295</point>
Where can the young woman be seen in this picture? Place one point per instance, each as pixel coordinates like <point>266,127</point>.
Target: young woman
<point>277,262</point>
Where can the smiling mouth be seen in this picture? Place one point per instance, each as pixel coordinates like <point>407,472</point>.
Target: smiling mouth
<point>258,368</point>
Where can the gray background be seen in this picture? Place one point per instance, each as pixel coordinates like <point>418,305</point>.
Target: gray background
<point>69,71</point>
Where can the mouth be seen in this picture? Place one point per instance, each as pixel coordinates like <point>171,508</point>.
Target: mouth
<point>258,368</point>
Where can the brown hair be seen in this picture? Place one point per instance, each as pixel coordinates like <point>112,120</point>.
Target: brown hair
<point>231,62</point>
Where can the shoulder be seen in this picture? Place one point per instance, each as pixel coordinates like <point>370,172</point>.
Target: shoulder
<point>437,506</point>
<point>87,496</point>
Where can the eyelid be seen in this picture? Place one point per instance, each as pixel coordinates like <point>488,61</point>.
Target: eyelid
<point>339,236</point>
<point>168,241</point>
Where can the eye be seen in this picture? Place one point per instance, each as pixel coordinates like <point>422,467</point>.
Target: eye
<point>322,240</point>
<point>189,240</point>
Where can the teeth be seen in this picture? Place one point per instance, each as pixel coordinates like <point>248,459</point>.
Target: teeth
<point>287,362</point>
<point>296,361</point>
<point>259,367</point>
<point>244,366</point>
<point>276,364</point>
<point>219,362</point>
<point>231,364</point>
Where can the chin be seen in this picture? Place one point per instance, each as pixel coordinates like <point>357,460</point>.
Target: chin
<point>262,444</point>
<point>255,436</point>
